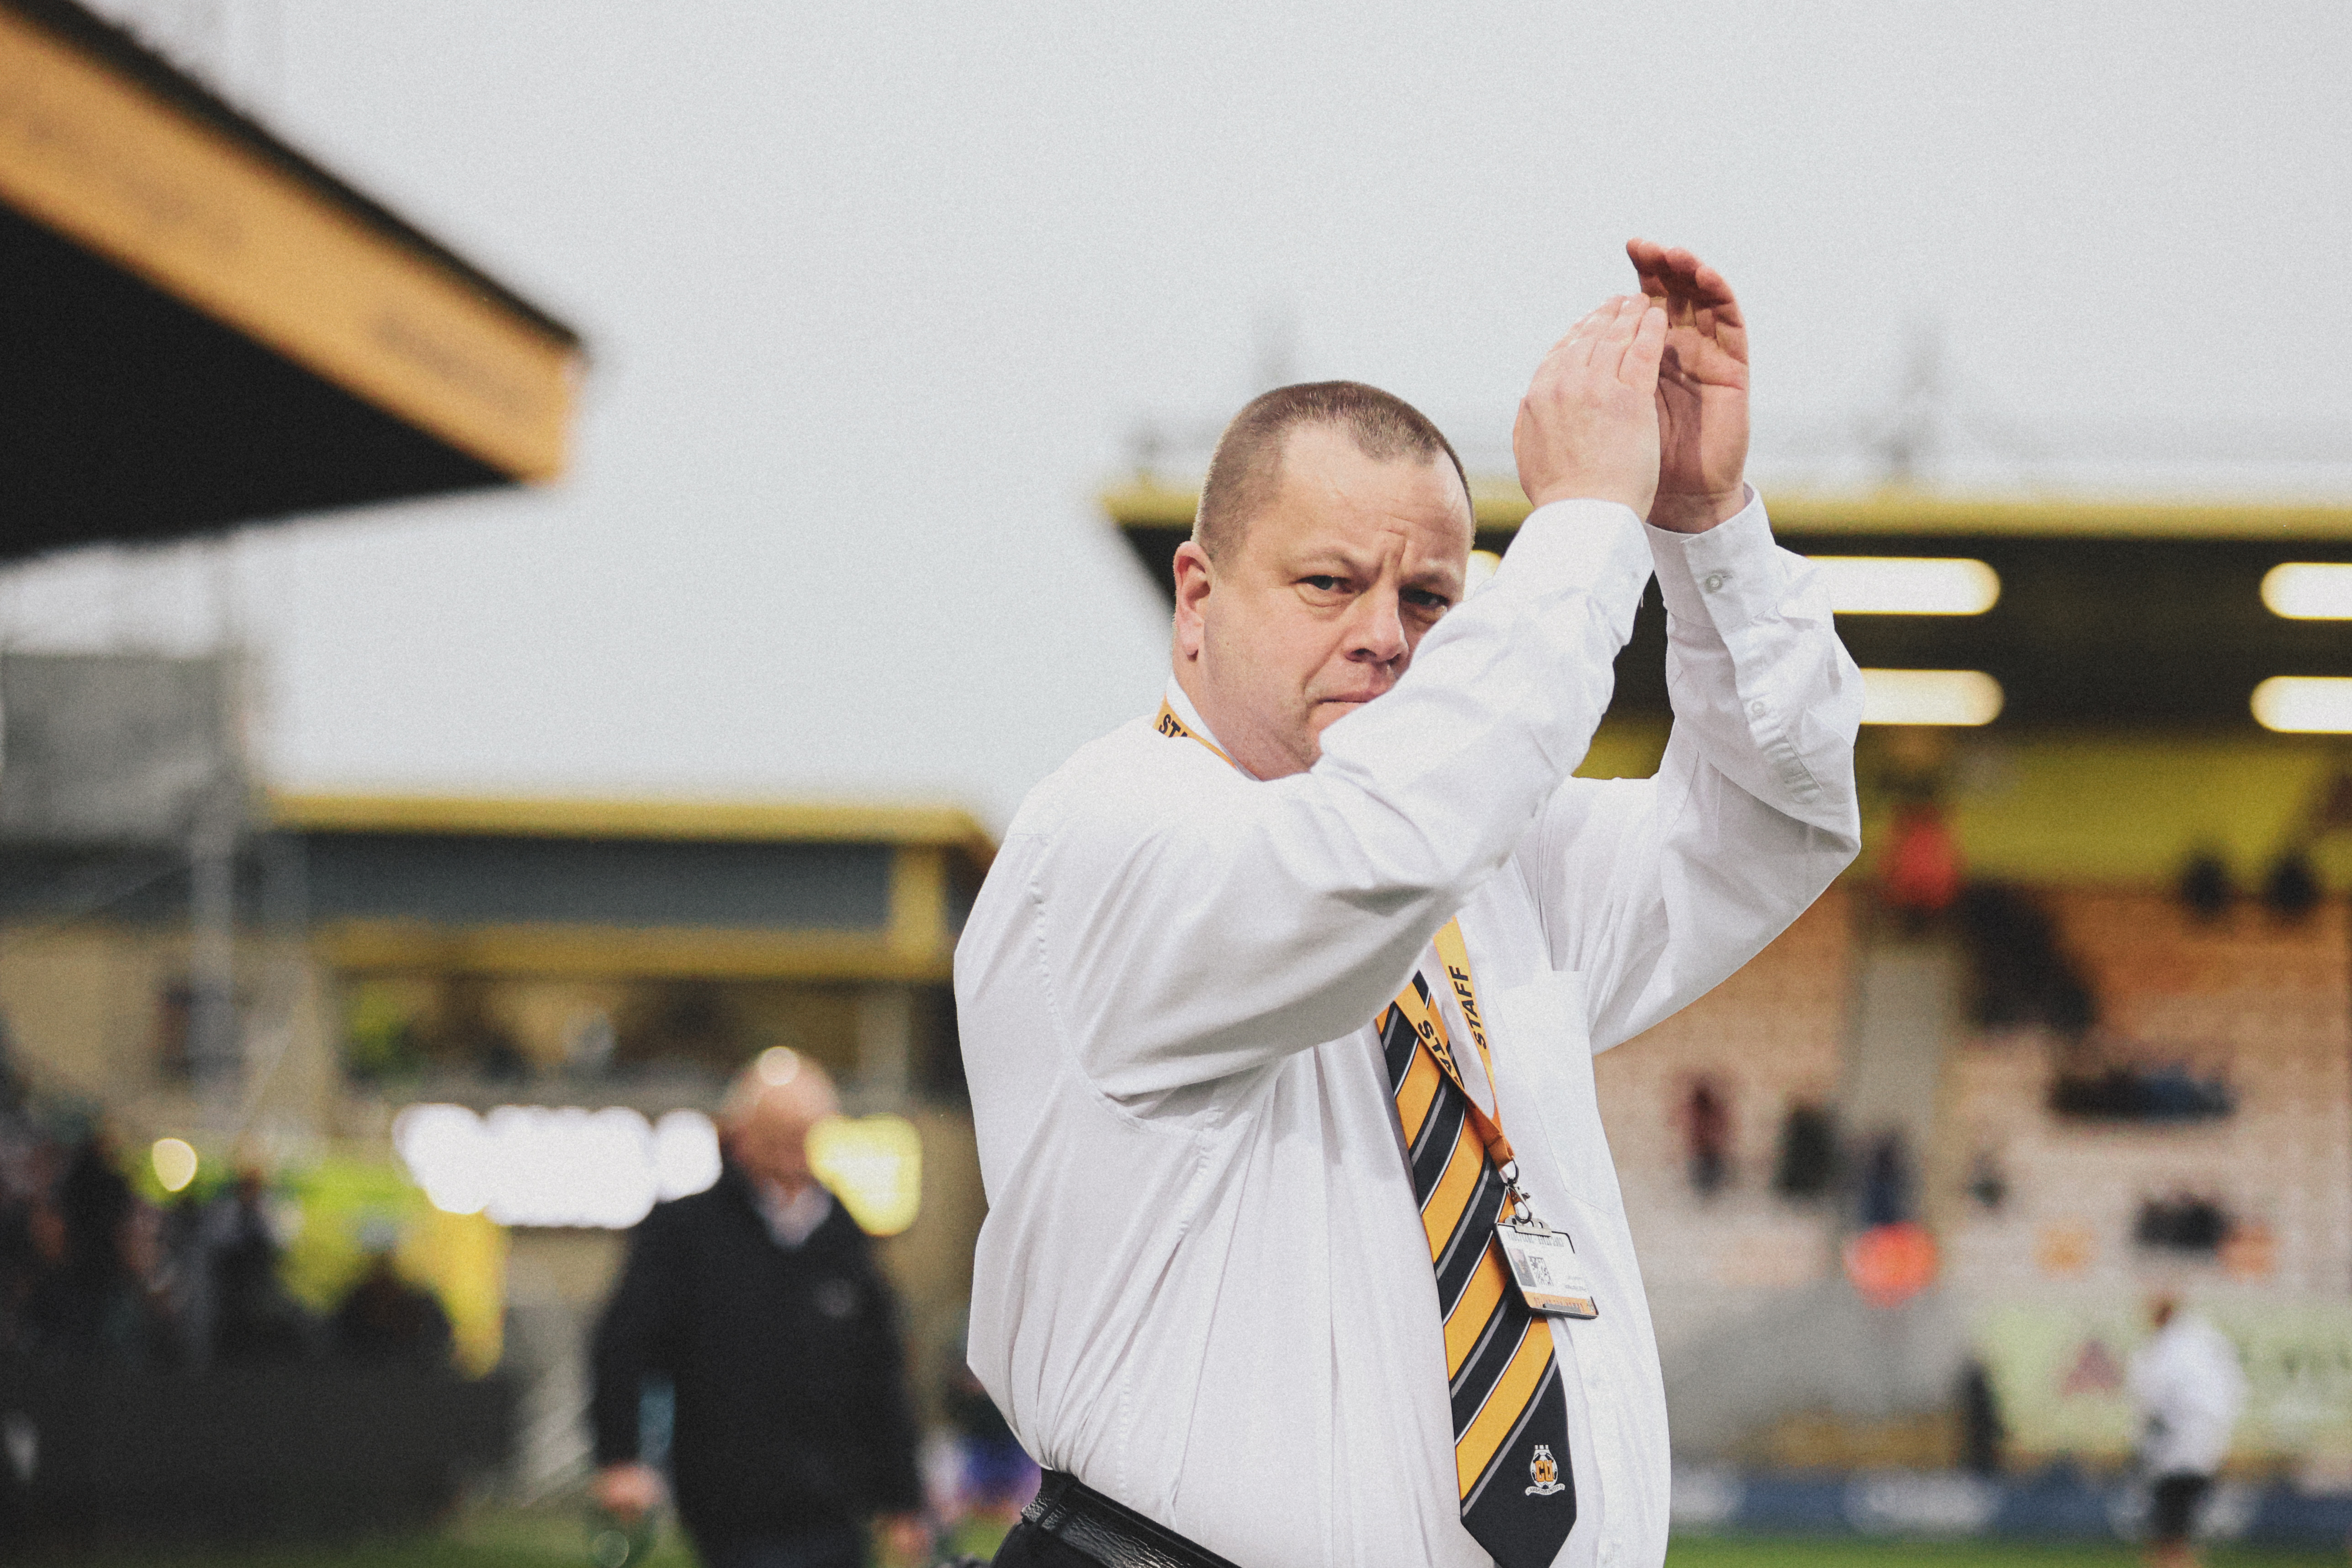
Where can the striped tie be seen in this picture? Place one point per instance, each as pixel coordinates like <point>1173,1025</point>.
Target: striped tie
<point>1510,1417</point>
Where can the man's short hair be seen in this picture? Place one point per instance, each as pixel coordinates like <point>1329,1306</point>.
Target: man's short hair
<point>1246,470</point>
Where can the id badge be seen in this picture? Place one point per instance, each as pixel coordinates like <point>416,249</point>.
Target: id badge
<point>1545,1268</point>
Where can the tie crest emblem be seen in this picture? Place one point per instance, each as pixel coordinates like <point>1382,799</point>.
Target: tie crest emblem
<point>1545,1470</point>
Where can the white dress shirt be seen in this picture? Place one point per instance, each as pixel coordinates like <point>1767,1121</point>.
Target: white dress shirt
<point>1202,1286</point>
<point>792,1217</point>
<point>2190,1388</point>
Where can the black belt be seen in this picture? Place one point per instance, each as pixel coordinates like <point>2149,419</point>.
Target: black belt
<point>1112,1534</point>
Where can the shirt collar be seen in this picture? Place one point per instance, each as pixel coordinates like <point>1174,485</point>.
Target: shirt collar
<point>1181,704</point>
<point>791,1220</point>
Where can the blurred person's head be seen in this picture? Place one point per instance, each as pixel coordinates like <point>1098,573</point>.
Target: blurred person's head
<point>97,1148</point>
<point>764,1126</point>
<point>1334,529</point>
<point>379,1241</point>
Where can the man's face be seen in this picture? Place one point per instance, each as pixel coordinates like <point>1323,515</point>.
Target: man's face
<point>1319,607</point>
<point>771,1140</point>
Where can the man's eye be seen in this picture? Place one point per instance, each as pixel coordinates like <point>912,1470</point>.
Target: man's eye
<point>1421,599</point>
<point>1322,584</point>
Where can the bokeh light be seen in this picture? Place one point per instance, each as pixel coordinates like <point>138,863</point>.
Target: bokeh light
<point>874,1165</point>
<point>555,1166</point>
<point>175,1160</point>
<point>1944,697</point>
<point>2309,590</point>
<point>2304,704</point>
<point>1908,585</point>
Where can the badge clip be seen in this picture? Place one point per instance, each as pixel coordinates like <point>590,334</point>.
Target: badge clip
<point>1543,1261</point>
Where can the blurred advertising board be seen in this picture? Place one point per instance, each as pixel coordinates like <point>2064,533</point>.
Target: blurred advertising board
<point>2059,1371</point>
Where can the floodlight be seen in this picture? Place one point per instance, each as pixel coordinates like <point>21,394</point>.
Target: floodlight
<point>1956,697</point>
<point>2309,590</point>
<point>2304,704</point>
<point>1908,584</point>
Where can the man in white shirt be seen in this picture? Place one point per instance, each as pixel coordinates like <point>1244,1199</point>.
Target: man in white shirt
<point>1304,1246</point>
<point>2190,1388</point>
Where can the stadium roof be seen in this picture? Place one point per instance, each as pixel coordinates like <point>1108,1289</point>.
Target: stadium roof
<point>1148,503</point>
<point>207,328</point>
<point>2109,611</point>
<point>555,887</point>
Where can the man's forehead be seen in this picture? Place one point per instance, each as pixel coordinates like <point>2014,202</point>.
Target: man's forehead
<point>788,1105</point>
<point>1330,487</point>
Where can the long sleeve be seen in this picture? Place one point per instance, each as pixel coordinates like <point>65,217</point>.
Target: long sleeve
<point>635,1336</point>
<point>1196,924</point>
<point>1658,888</point>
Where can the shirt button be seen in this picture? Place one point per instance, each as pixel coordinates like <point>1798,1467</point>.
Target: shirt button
<point>1714,584</point>
<point>1756,708</point>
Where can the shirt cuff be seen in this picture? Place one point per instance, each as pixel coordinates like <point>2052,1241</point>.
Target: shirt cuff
<point>1595,545</point>
<point>1727,575</point>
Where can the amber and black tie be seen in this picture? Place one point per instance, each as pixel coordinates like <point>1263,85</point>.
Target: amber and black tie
<point>1510,1417</point>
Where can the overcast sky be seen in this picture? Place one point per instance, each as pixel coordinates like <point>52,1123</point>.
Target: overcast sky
<point>876,295</point>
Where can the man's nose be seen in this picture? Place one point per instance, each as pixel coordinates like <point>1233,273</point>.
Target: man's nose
<point>1377,633</point>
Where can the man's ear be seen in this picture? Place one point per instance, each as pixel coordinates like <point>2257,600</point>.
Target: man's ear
<point>1194,578</point>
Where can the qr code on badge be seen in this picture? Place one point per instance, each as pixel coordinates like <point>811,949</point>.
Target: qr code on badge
<point>1533,1267</point>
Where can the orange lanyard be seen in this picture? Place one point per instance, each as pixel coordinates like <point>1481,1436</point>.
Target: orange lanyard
<point>1168,724</point>
<point>1451,953</point>
<point>1456,957</point>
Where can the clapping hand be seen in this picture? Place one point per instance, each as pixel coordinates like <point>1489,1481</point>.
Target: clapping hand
<point>1588,427</point>
<point>1702,390</point>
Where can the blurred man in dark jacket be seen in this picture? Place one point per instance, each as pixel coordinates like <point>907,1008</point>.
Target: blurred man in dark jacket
<point>384,1318</point>
<point>761,1302</point>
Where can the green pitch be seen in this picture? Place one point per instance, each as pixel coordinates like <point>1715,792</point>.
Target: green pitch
<point>1751,1552</point>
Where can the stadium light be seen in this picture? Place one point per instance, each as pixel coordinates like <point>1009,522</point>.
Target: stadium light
<point>1955,697</point>
<point>2304,704</point>
<point>2309,590</point>
<point>1908,584</point>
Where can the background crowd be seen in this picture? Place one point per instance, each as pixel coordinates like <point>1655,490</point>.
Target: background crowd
<point>91,1267</point>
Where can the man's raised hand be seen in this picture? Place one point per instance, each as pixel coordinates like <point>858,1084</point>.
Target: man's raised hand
<point>1588,427</point>
<point>1702,390</point>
